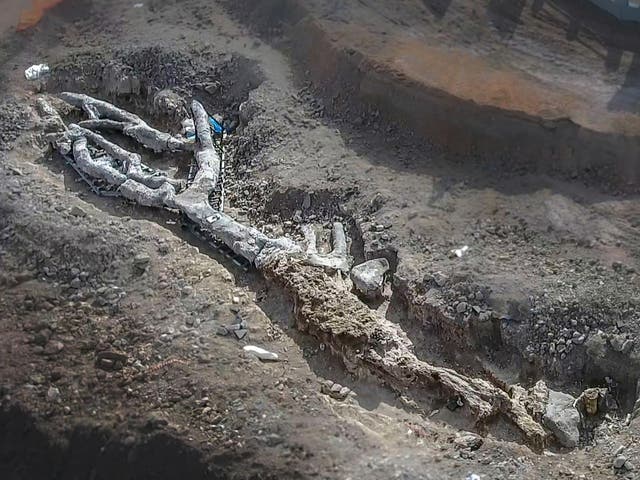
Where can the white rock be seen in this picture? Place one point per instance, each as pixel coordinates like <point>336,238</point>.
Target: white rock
<point>261,353</point>
<point>460,252</point>
<point>368,277</point>
<point>34,72</point>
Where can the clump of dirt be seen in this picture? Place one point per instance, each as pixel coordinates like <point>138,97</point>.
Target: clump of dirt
<point>14,120</point>
<point>221,82</point>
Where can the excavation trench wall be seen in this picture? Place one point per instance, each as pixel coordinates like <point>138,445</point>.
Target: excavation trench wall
<point>586,366</point>
<point>352,83</point>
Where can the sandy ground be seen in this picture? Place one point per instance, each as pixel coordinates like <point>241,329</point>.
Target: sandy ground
<point>540,244</point>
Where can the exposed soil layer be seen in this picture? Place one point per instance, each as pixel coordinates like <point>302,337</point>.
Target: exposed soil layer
<point>487,78</point>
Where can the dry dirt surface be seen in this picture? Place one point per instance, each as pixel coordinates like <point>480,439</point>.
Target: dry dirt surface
<point>118,358</point>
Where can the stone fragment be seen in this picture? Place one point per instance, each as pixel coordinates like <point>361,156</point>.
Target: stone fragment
<point>141,261</point>
<point>77,211</point>
<point>562,418</point>
<point>468,441</point>
<point>619,462</point>
<point>368,277</point>
<point>53,394</point>
<point>53,347</point>
<point>334,390</point>
<point>240,333</point>
<point>461,307</point>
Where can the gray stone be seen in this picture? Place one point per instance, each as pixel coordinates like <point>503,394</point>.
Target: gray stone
<point>53,347</point>
<point>579,339</point>
<point>617,342</point>
<point>469,441</point>
<point>141,261</point>
<point>240,334</point>
<point>368,277</point>
<point>53,394</point>
<point>562,418</point>
<point>334,390</point>
<point>440,279</point>
<point>619,462</point>
<point>77,212</point>
<point>461,307</point>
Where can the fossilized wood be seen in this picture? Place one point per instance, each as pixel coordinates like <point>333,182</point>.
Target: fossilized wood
<point>207,158</point>
<point>50,116</point>
<point>132,164</point>
<point>96,168</point>
<point>369,342</point>
<point>148,197</point>
<point>338,259</point>
<point>364,340</point>
<point>105,115</point>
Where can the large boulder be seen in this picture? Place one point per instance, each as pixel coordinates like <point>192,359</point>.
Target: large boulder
<point>368,277</point>
<point>562,418</point>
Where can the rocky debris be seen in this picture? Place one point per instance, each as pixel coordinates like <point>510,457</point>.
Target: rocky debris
<point>14,119</point>
<point>53,394</point>
<point>620,343</point>
<point>368,277</point>
<point>468,441</point>
<point>77,212</point>
<point>621,464</point>
<point>334,390</point>
<point>562,418</point>
<point>141,261</point>
<point>239,329</point>
<point>111,360</point>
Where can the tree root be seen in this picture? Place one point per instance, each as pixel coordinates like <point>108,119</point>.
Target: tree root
<point>324,307</point>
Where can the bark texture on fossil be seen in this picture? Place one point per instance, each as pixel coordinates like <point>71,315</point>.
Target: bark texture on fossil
<point>369,342</point>
<point>104,115</point>
<point>324,305</point>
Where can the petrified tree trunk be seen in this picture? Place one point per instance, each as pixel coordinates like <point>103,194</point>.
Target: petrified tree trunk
<point>366,341</point>
<point>324,307</point>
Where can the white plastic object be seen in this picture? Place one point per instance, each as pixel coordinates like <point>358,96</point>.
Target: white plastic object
<point>459,252</point>
<point>34,72</point>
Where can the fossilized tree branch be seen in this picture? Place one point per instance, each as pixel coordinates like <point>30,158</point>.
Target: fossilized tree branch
<point>96,168</point>
<point>131,162</point>
<point>338,259</point>
<point>364,340</point>
<point>129,123</point>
